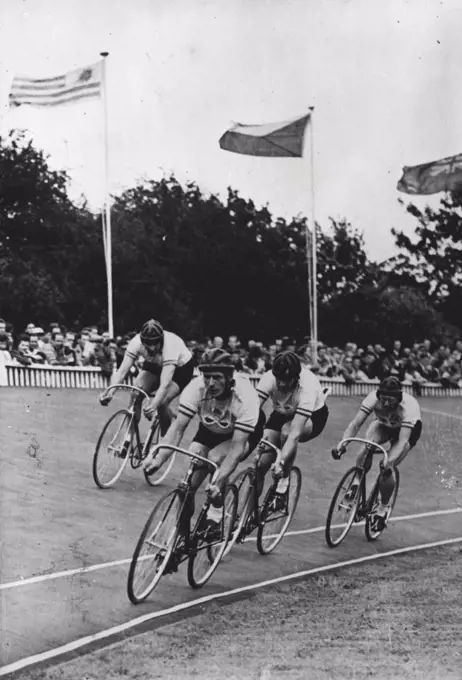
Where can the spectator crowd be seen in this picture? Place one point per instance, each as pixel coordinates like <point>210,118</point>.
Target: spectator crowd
<point>424,362</point>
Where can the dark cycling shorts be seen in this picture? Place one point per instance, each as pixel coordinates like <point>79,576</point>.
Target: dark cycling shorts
<point>211,439</point>
<point>276,421</point>
<point>413,439</point>
<point>182,375</point>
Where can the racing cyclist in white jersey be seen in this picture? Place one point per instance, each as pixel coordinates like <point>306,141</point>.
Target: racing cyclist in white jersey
<point>168,367</point>
<point>397,425</point>
<point>228,410</point>
<point>299,413</point>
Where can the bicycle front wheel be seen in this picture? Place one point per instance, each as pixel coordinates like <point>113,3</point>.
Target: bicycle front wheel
<point>113,449</point>
<point>343,507</point>
<point>155,546</point>
<point>371,532</point>
<point>207,551</point>
<point>277,512</point>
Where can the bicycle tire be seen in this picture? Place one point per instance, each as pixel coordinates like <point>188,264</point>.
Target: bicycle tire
<point>97,477</point>
<point>211,554</point>
<point>244,483</point>
<point>372,535</point>
<point>342,488</point>
<point>174,501</point>
<point>295,484</point>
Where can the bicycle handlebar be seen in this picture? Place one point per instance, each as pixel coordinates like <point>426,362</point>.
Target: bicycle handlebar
<point>368,442</point>
<point>271,445</point>
<point>195,456</point>
<point>124,386</point>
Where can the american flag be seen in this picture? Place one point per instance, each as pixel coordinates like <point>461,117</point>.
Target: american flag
<point>82,83</point>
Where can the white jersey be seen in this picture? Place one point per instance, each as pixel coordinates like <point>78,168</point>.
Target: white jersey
<point>406,414</point>
<point>239,412</point>
<point>304,399</point>
<point>174,351</point>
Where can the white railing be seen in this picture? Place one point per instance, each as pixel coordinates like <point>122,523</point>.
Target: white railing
<point>89,377</point>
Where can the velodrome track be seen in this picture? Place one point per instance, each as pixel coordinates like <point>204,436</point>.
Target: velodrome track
<point>65,544</point>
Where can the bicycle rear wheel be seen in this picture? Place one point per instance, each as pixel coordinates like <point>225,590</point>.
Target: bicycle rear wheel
<point>155,546</point>
<point>342,510</point>
<point>244,484</point>
<point>206,554</point>
<point>277,513</point>
<point>371,532</point>
<point>113,449</point>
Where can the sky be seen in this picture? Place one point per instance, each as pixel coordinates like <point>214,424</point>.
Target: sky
<point>383,77</point>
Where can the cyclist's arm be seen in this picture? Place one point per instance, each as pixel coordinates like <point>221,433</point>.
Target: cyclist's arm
<point>165,380</point>
<point>355,425</point>
<point>236,451</point>
<point>296,429</point>
<point>125,366</point>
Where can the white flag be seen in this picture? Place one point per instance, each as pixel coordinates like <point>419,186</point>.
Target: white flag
<point>82,83</point>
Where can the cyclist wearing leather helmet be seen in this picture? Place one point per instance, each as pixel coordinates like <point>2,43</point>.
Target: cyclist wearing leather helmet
<point>227,406</point>
<point>298,411</point>
<point>168,367</point>
<point>397,424</point>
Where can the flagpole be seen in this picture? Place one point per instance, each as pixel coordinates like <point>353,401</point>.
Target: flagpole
<point>107,238</point>
<point>314,278</point>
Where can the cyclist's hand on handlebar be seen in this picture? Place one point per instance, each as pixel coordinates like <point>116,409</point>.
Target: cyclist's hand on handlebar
<point>148,410</point>
<point>105,398</point>
<point>277,469</point>
<point>213,491</point>
<point>338,452</point>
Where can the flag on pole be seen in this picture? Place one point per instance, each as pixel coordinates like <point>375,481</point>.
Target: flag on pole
<point>274,139</point>
<point>82,83</point>
<point>430,178</point>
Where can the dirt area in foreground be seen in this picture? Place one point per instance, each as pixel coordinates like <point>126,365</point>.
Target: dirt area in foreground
<point>399,618</point>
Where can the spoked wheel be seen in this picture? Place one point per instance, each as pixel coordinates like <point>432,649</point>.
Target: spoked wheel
<point>158,476</point>
<point>154,547</point>
<point>277,513</point>
<point>113,449</point>
<point>343,507</point>
<point>244,486</point>
<point>207,550</point>
<point>370,528</point>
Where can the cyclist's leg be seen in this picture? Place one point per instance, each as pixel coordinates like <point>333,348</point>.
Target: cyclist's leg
<point>272,433</point>
<point>148,382</point>
<point>313,428</point>
<point>181,377</point>
<point>164,410</point>
<point>396,455</point>
<point>376,432</point>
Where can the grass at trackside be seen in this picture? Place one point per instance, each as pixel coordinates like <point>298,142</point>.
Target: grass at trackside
<point>399,618</point>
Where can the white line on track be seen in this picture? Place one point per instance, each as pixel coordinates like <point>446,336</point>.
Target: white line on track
<point>103,634</point>
<point>117,563</point>
<point>441,413</point>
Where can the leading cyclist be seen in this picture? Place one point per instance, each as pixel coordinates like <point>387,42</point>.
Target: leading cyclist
<point>299,413</point>
<point>168,367</point>
<point>228,410</point>
<point>397,425</point>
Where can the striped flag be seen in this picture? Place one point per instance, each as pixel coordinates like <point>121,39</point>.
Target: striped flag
<point>82,83</point>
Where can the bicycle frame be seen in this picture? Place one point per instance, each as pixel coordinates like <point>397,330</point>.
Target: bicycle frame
<point>372,448</point>
<point>137,394</point>
<point>185,487</point>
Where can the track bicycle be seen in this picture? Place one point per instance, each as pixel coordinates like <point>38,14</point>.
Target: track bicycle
<point>350,502</point>
<point>120,442</point>
<point>273,516</point>
<point>167,539</point>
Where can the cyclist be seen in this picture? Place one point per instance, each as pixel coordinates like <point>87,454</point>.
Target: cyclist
<point>168,367</point>
<point>227,406</point>
<point>299,413</point>
<point>397,425</point>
